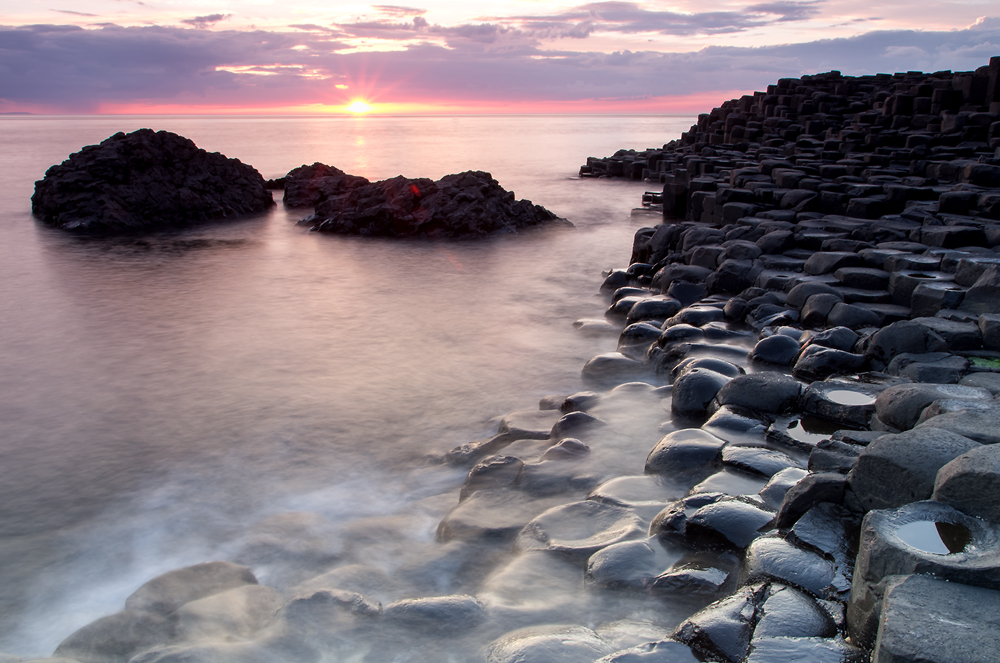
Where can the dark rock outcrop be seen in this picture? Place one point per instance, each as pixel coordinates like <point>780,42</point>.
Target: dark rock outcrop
<point>146,181</point>
<point>469,204</point>
<point>306,186</point>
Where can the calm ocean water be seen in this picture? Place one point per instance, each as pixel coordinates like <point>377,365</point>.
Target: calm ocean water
<point>161,395</point>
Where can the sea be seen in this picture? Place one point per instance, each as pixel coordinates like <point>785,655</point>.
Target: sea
<point>162,395</point>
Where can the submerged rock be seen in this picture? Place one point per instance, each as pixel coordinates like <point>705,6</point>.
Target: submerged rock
<point>167,592</point>
<point>146,181</point>
<point>469,204</point>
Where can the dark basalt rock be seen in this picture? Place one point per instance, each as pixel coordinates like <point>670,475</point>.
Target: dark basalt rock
<point>306,186</point>
<point>146,181</point>
<point>469,204</point>
<point>729,523</point>
<point>723,629</point>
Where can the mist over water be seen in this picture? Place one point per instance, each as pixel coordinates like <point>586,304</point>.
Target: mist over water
<point>161,396</point>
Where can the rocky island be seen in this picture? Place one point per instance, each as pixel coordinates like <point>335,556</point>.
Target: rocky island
<point>146,181</point>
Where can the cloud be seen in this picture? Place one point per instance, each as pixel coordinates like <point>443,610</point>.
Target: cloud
<point>68,11</point>
<point>76,70</point>
<point>394,10</point>
<point>205,21</point>
<point>632,18</point>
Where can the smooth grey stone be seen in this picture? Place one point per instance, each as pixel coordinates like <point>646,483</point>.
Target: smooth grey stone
<point>612,368</point>
<point>116,638</point>
<point>900,406</point>
<point>772,557</point>
<point>581,401</point>
<point>234,614</point>
<point>888,547</point>
<point>355,579</point>
<point>694,390</point>
<point>984,295</point>
<point>983,380</point>
<point>169,591</point>
<point>816,488</point>
<point>629,564</point>
<point>528,424</point>
<point>778,486</point>
<point>663,651</point>
<point>566,449</point>
<point>768,392</point>
<point>617,278</point>
<point>956,623</point>
<point>787,612</point>
<point>838,338</point>
<point>752,460</point>
<point>698,574</point>
<point>800,293</point>
<point>637,491</point>
<point>989,328</point>
<point>851,316</point>
<point>579,529</point>
<point>653,308</point>
<point>731,482</point>
<point>531,587</point>
<point>866,278</point>
<point>730,523</point>
<point>817,308</point>
<point>638,335</point>
<point>596,327</point>
<point>826,528</point>
<point>824,262</point>
<point>851,403</point>
<point>971,483</point>
<point>491,472</point>
<point>904,336</point>
<point>952,405</point>
<point>573,424</point>
<point>697,316</point>
<point>548,644</point>
<point>935,367</point>
<point>713,364</point>
<point>983,426</point>
<point>817,363</point>
<point>619,310</point>
<point>725,627</point>
<point>629,291</point>
<point>738,425</point>
<point>436,614</point>
<point>497,513</point>
<point>804,650</point>
<point>684,452</point>
<point>672,520</point>
<point>681,333</point>
<point>958,335</point>
<point>686,293</point>
<point>777,349</point>
<point>897,469</point>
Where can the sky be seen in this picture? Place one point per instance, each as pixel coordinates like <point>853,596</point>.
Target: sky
<point>460,56</point>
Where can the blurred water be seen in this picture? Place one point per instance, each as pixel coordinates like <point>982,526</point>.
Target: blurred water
<point>159,395</point>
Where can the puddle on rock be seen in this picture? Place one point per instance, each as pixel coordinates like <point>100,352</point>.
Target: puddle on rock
<point>848,397</point>
<point>938,538</point>
<point>811,430</point>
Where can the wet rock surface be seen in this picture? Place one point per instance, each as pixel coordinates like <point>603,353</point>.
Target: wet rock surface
<point>146,181</point>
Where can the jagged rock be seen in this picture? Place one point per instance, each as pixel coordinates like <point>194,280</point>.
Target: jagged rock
<point>146,181</point>
<point>469,204</point>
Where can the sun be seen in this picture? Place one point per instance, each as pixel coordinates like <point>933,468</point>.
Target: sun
<point>359,107</point>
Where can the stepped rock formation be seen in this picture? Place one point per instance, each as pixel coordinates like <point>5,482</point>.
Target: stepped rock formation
<point>146,181</point>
